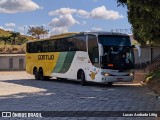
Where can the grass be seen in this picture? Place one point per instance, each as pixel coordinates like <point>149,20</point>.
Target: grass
<point>153,81</point>
<point>9,49</point>
<point>4,33</point>
<point>15,49</point>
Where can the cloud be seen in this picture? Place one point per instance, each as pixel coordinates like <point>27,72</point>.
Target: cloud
<point>62,11</point>
<point>1,27</point>
<point>63,21</point>
<point>10,24</point>
<point>59,30</point>
<point>96,29</point>
<point>103,13</point>
<point>15,6</point>
<point>96,13</point>
<point>64,18</point>
<point>83,13</point>
<point>6,29</point>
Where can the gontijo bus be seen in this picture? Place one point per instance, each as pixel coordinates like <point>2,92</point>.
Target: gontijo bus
<point>87,56</point>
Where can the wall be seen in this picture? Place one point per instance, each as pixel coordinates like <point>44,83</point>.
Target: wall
<point>146,55</point>
<point>12,62</point>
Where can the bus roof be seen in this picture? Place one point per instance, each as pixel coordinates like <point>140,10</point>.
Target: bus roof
<point>105,33</point>
<point>54,37</point>
<point>64,35</point>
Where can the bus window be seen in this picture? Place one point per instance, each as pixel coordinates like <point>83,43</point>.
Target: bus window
<point>93,50</point>
<point>77,43</point>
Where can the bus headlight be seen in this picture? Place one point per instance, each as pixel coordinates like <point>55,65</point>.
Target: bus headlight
<point>105,74</point>
<point>131,74</point>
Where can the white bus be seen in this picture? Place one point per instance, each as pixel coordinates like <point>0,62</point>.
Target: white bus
<point>103,57</point>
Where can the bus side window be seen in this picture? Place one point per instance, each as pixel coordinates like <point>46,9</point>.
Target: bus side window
<point>93,50</point>
<point>72,44</point>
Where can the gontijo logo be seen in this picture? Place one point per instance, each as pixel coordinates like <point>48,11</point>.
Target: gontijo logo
<point>45,57</point>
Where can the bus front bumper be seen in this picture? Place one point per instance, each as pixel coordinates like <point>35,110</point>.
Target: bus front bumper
<point>117,79</point>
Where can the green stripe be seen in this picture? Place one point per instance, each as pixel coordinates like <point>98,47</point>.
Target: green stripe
<point>64,62</point>
<point>60,62</point>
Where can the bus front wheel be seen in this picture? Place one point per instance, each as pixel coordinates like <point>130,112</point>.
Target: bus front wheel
<point>110,83</point>
<point>83,80</point>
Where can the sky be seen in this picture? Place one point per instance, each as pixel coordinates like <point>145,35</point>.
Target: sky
<point>60,16</point>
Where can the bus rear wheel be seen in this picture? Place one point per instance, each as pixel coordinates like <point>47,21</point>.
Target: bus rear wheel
<point>36,74</point>
<point>83,80</point>
<point>41,77</point>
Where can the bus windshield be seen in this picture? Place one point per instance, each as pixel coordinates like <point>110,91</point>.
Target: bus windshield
<point>117,52</point>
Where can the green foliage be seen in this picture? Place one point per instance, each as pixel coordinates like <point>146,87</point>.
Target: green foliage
<point>37,31</point>
<point>121,2</point>
<point>154,75</point>
<point>5,39</point>
<point>144,15</point>
<point>13,36</point>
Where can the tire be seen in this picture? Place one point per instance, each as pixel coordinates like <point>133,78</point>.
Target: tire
<point>83,80</point>
<point>110,83</point>
<point>36,75</point>
<point>41,77</point>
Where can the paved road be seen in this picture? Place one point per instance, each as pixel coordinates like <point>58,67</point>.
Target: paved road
<point>20,92</point>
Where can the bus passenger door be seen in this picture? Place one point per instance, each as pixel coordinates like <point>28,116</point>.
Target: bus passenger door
<point>93,53</point>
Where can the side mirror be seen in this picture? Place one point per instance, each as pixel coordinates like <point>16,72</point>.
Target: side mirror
<point>101,50</point>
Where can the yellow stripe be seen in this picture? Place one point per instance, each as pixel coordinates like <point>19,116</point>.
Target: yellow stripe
<point>47,64</point>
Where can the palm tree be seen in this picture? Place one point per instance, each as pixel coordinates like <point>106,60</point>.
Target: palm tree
<point>5,39</point>
<point>14,35</point>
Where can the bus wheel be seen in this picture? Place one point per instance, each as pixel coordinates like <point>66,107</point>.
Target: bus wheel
<point>41,77</point>
<point>110,83</point>
<point>36,74</point>
<point>83,80</point>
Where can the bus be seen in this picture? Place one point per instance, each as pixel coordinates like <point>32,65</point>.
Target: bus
<point>104,57</point>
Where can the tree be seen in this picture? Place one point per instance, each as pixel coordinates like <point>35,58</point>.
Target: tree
<point>37,31</point>
<point>21,40</point>
<point>144,15</point>
<point>14,35</point>
<point>5,39</point>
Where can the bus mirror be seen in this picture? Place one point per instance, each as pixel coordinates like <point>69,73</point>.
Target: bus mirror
<point>100,50</point>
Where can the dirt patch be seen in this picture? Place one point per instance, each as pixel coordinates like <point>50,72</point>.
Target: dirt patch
<point>154,85</point>
<point>153,81</point>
